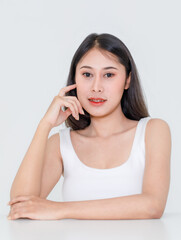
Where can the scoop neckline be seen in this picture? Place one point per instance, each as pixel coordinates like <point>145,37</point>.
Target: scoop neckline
<point>104,169</point>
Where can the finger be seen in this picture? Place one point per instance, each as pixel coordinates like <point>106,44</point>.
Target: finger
<point>78,104</point>
<point>66,89</point>
<point>19,198</point>
<point>12,214</point>
<point>17,211</point>
<point>18,205</point>
<point>71,106</point>
<point>22,212</point>
<point>17,215</point>
<point>75,106</point>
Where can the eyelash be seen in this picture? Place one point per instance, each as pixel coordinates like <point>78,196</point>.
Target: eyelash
<point>106,73</point>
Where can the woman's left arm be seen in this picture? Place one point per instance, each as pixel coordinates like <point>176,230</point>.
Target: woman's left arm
<point>156,180</point>
<point>152,201</point>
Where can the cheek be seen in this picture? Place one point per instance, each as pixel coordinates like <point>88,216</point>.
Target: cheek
<point>115,93</point>
<point>113,90</point>
<point>81,87</point>
<point>81,93</point>
<point>119,89</point>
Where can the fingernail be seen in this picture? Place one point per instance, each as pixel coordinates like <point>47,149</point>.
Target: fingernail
<point>8,217</point>
<point>83,112</point>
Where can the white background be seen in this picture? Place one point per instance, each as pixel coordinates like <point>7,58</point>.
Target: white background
<point>37,43</point>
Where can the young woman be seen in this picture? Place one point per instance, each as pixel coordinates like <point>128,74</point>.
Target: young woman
<point>114,157</point>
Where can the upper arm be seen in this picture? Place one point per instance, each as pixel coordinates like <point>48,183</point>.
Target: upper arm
<point>52,167</point>
<point>156,179</point>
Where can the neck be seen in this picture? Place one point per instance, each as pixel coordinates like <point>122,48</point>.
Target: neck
<point>107,125</point>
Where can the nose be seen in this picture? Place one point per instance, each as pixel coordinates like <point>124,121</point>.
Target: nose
<point>97,85</point>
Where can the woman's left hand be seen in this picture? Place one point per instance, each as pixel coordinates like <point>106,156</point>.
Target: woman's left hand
<point>34,207</point>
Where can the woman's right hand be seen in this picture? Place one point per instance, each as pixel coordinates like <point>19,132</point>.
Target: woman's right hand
<point>55,116</point>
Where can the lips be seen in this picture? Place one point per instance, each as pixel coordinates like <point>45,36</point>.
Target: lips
<point>92,99</point>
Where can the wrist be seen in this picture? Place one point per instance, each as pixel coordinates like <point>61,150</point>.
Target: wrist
<point>62,210</point>
<point>45,125</point>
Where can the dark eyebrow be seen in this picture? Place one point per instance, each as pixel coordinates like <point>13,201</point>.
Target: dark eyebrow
<point>103,68</point>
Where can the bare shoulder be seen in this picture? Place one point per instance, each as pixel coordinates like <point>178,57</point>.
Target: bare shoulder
<point>158,140</point>
<point>157,127</point>
<point>158,133</point>
<point>159,123</point>
<point>54,142</point>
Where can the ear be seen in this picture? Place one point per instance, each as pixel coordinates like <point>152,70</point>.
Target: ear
<point>127,82</point>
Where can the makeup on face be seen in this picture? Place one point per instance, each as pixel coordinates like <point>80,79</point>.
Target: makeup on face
<point>96,103</point>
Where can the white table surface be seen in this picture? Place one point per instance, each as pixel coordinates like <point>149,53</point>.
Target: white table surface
<point>168,227</point>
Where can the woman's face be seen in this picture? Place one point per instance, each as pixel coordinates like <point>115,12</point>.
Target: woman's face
<point>99,74</point>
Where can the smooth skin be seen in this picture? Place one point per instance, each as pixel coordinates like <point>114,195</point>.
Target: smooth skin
<point>109,84</point>
<point>95,81</point>
<point>42,155</point>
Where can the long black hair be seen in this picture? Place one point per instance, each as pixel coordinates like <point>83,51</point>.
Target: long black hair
<point>132,101</point>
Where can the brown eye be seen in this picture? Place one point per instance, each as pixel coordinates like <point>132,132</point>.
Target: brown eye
<point>109,74</point>
<point>87,74</point>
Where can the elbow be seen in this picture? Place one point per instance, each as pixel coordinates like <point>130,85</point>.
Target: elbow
<point>156,212</point>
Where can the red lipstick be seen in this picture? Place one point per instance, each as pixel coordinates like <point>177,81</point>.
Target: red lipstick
<point>97,98</point>
<point>97,101</point>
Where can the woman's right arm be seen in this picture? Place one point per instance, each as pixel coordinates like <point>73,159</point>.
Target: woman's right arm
<point>29,176</point>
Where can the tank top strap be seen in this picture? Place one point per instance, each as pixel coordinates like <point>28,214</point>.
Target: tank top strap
<point>65,149</point>
<point>140,137</point>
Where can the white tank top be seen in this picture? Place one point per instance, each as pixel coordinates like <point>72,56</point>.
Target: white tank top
<point>82,182</point>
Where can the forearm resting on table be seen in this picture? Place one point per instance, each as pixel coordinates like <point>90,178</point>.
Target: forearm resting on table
<point>28,178</point>
<point>139,206</point>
